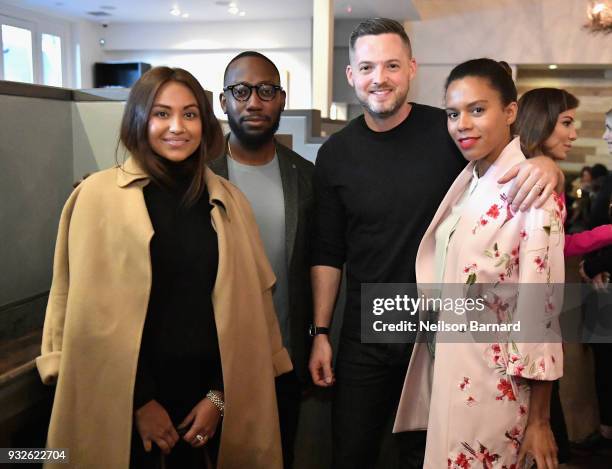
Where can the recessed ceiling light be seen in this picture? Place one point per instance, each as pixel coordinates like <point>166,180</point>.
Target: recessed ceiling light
<point>598,8</point>
<point>553,67</point>
<point>185,15</point>
<point>233,10</point>
<point>232,5</point>
<point>175,11</point>
<point>242,13</point>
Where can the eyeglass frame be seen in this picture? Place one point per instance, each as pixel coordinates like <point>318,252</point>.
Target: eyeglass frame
<point>230,88</point>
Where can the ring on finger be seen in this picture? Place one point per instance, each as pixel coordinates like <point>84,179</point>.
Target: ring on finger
<point>201,439</point>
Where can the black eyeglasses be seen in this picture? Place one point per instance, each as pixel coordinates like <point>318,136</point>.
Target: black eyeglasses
<point>242,91</point>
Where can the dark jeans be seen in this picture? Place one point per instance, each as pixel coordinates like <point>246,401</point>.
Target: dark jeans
<point>369,380</point>
<point>288,397</point>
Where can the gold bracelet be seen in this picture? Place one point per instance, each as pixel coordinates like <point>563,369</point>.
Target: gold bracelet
<point>215,398</point>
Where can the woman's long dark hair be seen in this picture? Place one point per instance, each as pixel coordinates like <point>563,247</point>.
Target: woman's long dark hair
<point>537,117</point>
<point>134,129</point>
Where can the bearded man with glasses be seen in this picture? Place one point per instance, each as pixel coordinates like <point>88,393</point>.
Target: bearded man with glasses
<point>278,184</point>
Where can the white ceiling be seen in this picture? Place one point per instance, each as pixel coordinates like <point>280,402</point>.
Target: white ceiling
<point>213,10</point>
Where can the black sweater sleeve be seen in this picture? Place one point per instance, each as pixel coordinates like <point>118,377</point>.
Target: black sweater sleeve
<point>601,205</point>
<point>144,388</point>
<point>329,218</point>
<point>602,262</point>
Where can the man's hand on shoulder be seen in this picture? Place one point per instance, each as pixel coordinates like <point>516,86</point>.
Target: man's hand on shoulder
<point>534,180</point>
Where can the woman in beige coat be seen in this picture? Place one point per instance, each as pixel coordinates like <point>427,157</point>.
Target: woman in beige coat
<point>160,320</point>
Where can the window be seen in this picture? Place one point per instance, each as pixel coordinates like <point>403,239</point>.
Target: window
<point>34,51</point>
<point>52,60</point>
<point>17,54</point>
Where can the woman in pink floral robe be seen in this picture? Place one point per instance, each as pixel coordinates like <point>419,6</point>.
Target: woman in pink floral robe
<point>476,400</point>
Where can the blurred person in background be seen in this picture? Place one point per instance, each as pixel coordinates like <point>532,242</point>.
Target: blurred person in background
<point>578,196</point>
<point>596,268</point>
<point>545,124</point>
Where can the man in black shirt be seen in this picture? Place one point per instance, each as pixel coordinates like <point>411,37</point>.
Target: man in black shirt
<point>378,183</point>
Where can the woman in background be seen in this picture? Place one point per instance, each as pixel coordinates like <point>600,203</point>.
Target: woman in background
<point>545,125</point>
<point>597,269</point>
<point>160,318</point>
<point>488,405</point>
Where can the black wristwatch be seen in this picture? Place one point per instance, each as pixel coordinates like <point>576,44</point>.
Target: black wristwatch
<point>314,330</point>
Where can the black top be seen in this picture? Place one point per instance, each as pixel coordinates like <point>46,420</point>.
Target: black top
<point>600,210</point>
<point>179,358</point>
<point>376,193</point>
<point>600,260</point>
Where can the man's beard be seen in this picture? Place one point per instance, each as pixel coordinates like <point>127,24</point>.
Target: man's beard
<point>253,141</point>
<point>383,114</point>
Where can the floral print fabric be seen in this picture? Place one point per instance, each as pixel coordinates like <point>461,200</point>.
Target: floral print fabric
<point>480,391</point>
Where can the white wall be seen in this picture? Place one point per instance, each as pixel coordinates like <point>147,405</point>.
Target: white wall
<point>526,32</point>
<point>205,49</point>
<point>342,92</point>
<point>519,32</point>
<point>87,51</point>
<point>266,35</point>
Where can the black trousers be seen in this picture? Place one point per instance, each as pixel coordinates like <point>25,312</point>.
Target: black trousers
<point>597,313</point>
<point>288,397</point>
<point>369,380</point>
<point>602,354</point>
<point>558,426</point>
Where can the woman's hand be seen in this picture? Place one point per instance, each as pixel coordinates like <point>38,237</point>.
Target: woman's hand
<point>154,425</point>
<point>600,281</point>
<point>539,442</point>
<point>203,418</point>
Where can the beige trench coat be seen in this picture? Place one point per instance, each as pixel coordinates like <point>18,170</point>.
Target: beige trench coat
<point>97,308</point>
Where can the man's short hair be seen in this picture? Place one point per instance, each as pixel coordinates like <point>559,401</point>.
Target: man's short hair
<point>376,26</point>
<point>249,53</point>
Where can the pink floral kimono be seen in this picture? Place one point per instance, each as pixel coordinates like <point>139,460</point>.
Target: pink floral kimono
<point>473,399</point>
